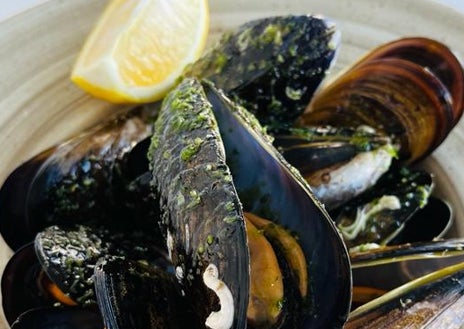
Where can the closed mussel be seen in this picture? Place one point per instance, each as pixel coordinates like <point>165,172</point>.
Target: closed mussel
<point>211,158</point>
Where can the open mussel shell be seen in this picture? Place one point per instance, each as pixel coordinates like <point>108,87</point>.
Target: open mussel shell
<point>432,55</point>
<point>272,66</point>
<point>388,267</point>
<point>313,148</point>
<point>136,295</point>
<point>58,269</point>
<point>415,251</point>
<point>62,318</point>
<point>431,301</point>
<point>408,251</point>
<point>431,222</point>
<point>339,163</point>
<point>80,180</point>
<point>269,187</point>
<point>197,128</point>
<point>395,96</point>
<point>68,255</point>
<point>381,213</point>
<point>20,284</point>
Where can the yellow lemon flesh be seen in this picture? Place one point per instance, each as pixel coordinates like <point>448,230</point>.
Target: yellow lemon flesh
<point>139,48</point>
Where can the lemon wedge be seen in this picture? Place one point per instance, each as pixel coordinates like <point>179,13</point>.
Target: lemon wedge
<point>139,48</point>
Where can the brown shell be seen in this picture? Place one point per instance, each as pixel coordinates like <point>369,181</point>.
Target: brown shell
<point>410,89</point>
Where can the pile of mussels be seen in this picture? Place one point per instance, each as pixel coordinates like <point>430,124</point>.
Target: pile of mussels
<point>235,204</point>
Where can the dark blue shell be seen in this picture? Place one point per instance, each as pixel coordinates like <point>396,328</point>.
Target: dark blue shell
<point>268,186</point>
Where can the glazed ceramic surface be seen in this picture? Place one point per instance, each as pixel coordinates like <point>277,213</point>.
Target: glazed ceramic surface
<point>39,106</point>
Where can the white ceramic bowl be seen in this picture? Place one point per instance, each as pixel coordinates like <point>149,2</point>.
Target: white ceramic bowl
<point>39,106</point>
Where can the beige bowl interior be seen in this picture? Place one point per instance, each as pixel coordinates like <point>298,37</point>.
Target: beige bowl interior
<point>39,106</point>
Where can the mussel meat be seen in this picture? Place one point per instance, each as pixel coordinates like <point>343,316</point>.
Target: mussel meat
<point>339,163</point>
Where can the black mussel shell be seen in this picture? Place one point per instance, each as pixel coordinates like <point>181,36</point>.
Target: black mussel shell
<point>381,212</point>
<point>435,300</point>
<point>429,223</point>
<point>81,180</point>
<point>388,267</point>
<point>313,148</point>
<point>62,318</point>
<point>68,255</point>
<point>136,295</point>
<point>272,66</point>
<point>20,284</point>
<point>269,187</point>
<point>203,219</point>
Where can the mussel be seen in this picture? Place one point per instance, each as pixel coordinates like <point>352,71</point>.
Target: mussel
<point>29,297</point>
<point>20,284</point>
<point>339,163</point>
<point>90,178</point>
<point>203,146</point>
<point>418,250</point>
<point>272,66</point>
<point>410,89</point>
<point>68,255</point>
<point>58,269</point>
<point>380,213</point>
<point>427,282</point>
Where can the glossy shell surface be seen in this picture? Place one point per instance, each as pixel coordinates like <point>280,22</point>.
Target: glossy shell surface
<point>39,106</point>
